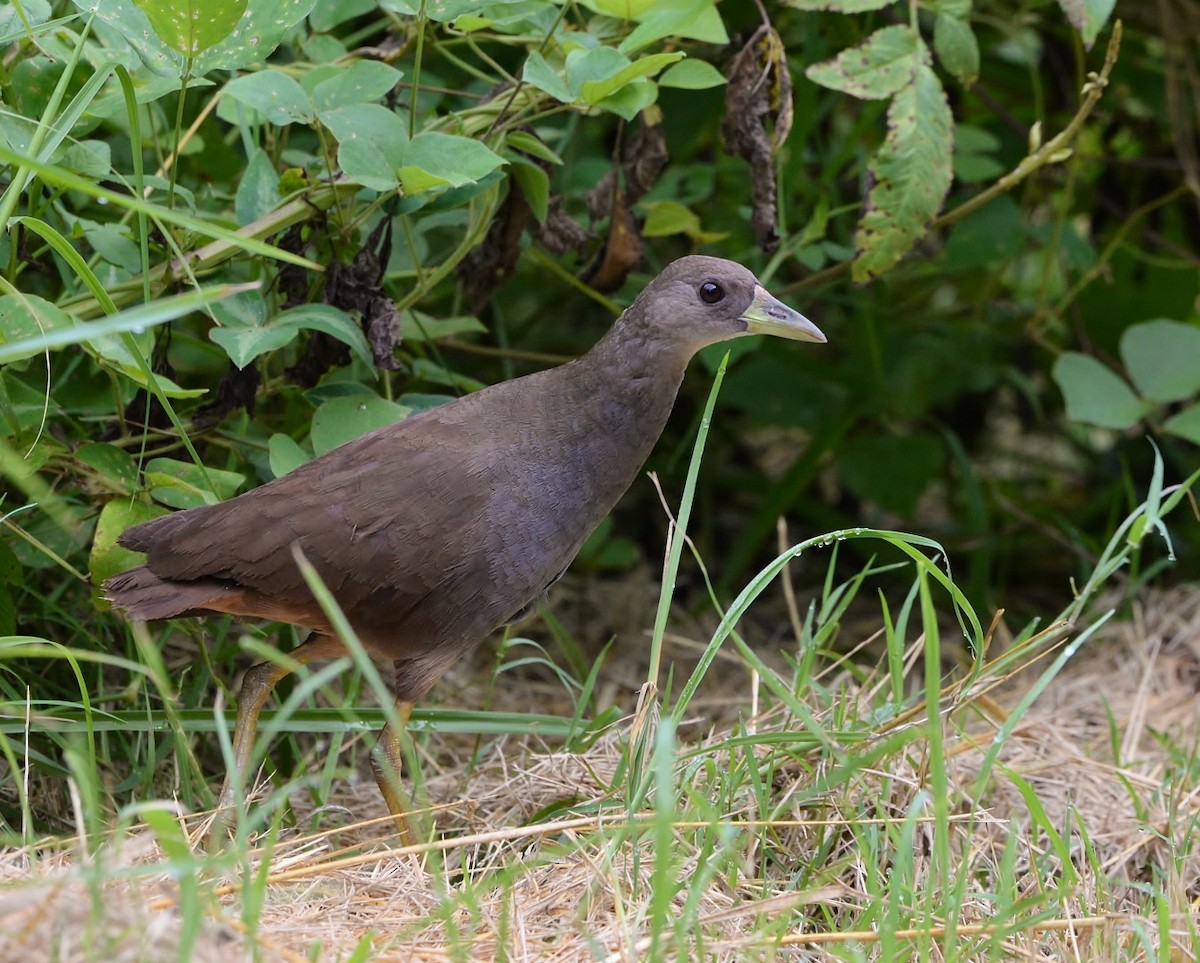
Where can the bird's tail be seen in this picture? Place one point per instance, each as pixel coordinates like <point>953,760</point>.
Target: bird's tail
<point>142,595</point>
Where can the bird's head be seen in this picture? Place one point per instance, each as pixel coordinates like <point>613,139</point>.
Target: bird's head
<point>697,301</point>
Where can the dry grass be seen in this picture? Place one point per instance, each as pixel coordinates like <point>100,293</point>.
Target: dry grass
<point>1100,758</point>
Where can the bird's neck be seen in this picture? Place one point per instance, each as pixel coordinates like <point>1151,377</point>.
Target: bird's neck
<point>641,374</point>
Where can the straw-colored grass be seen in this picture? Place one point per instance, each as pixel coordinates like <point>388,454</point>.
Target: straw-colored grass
<point>1082,845</point>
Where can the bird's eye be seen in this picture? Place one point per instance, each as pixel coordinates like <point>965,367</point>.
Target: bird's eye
<point>711,292</point>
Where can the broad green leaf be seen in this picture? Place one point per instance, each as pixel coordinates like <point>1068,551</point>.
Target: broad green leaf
<point>535,186</point>
<point>594,91</point>
<point>911,172</point>
<point>181,484</point>
<point>258,192</point>
<point>1088,17</point>
<point>256,35</point>
<point>107,557</point>
<point>12,21</point>
<point>452,159</point>
<point>243,345</point>
<point>631,99</point>
<point>883,64</point>
<point>364,81</point>
<point>1163,359</point>
<point>91,158</point>
<point>1186,424</point>
<point>533,146</point>
<point>417,326</point>
<point>664,218</point>
<point>441,10</point>
<point>1094,394</point>
<point>110,462</point>
<point>329,320</point>
<point>371,143</point>
<point>691,19</point>
<point>252,40</point>
<point>956,47</point>
<point>272,93</point>
<point>23,318</point>
<point>621,9</point>
<point>691,75</point>
<point>327,15</point>
<point>192,26</point>
<point>285,455</point>
<point>538,73</point>
<point>340,420</point>
<point>839,6</point>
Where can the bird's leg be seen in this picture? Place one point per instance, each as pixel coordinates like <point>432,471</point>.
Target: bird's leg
<point>257,686</point>
<point>387,762</point>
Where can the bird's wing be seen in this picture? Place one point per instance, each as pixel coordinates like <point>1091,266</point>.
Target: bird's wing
<point>394,509</point>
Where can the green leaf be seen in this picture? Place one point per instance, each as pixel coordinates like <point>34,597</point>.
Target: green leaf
<point>594,91</point>
<point>449,158</point>
<point>416,326</point>
<point>535,186</point>
<point>107,557</point>
<point>692,19</point>
<point>364,81</point>
<point>691,75</point>
<point>110,462</point>
<point>911,172</point>
<point>1094,394</point>
<point>541,75</point>
<point>243,345</point>
<point>442,11</point>
<point>181,484</point>
<point>1088,17</point>
<point>371,143</point>
<point>882,65</point>
<point>258,193</point>
<point>23,319</point>
<point>284,455</point>
<point>1163,359</point>
<point>271,93</point>
<point>331,321</point>
<point>192,26</point>
<point>664,218</point>
<point>956,47</point>
<point>340,420</point>
<point>253,39</point>
<point>527,143</point>
<point>839,6</point>
<point>631,99</point>
<point>1186,424</point>
<point>256,35</point>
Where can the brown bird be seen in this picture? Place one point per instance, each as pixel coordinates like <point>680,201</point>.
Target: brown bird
<point>433,532</point>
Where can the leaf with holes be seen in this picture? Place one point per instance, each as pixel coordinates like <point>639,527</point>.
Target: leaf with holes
<point>253,38</point>
<point>882,65</point>
<point>192,26</point>
<point>911,173</point>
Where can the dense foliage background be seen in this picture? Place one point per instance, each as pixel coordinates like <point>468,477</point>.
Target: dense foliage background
<point>417,198</point>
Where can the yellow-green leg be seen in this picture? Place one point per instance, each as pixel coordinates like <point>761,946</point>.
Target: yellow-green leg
<point>257,686</point>
<point>387,762</point>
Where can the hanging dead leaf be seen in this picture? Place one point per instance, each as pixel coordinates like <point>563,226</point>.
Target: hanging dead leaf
<point>758,96</point>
